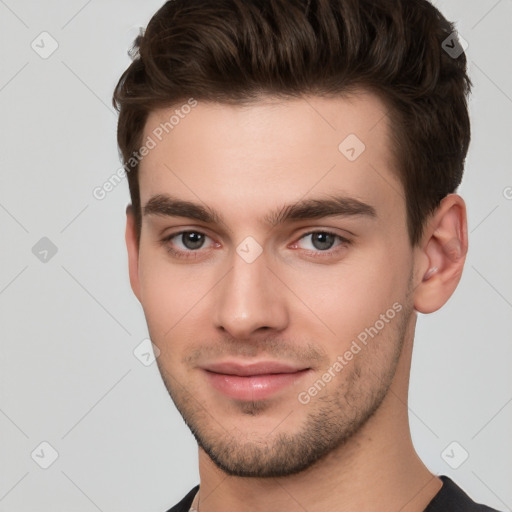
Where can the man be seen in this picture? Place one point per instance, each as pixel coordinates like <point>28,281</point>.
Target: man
<point>292,167</point>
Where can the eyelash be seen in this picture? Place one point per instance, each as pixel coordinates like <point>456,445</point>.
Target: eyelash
<point>191,254</point>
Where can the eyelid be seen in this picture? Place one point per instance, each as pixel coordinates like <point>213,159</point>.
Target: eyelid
<point>327,231</point>
<point>174,234</point>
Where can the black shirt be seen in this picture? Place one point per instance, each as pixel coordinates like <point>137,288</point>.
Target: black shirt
<point>450,498</point>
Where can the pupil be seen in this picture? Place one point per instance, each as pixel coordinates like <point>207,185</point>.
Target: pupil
<point>192,240</point>
<point>323,241</point>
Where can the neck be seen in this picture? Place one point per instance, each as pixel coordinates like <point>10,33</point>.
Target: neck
<point>376,469</point>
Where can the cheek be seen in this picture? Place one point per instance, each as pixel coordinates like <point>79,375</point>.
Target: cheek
<point>350,296</point>
<point>168,293</point>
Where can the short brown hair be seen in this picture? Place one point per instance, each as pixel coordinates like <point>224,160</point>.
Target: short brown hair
<point>236,51</point>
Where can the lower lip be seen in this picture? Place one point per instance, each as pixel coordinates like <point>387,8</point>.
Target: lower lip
<point>251,388</point>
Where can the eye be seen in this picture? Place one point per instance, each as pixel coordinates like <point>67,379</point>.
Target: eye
<point>189,240</point>
<point>321,242</point>
<point>187,243</point>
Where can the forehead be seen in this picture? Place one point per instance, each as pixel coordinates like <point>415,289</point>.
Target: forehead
<point>271,152</point>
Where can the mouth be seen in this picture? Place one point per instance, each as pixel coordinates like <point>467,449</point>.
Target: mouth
<point>256,381</point>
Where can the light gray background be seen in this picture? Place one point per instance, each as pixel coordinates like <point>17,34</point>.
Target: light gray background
<point>68,326</point>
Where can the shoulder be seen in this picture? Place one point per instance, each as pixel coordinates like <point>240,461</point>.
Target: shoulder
<point>451,498</point>
<point>186,502</point>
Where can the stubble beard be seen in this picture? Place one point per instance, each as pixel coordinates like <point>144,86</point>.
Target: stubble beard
<point>333,417</point>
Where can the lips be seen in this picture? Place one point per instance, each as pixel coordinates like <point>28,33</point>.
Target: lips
<point>255,381</point>
<point>253,369</point>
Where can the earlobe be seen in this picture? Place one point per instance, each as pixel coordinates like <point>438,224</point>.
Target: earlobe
<point>444,249</point>
<point>132,247</point>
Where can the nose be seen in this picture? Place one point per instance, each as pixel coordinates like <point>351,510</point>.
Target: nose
<point>249,300</point>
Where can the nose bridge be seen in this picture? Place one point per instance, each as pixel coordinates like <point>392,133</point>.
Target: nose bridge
<point>249,299</point>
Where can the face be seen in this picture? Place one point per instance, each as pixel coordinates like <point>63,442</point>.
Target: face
<point>274,270</point>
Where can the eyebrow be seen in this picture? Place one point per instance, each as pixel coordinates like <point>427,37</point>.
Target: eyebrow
<point>332,206</point>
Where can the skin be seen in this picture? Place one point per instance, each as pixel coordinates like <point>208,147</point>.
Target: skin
<point>349,448</point>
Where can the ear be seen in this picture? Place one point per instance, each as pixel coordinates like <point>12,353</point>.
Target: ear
<point>133,251</point>
<point>441,254</point>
